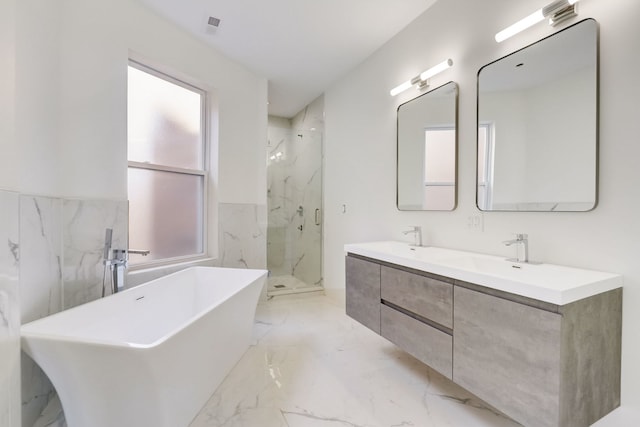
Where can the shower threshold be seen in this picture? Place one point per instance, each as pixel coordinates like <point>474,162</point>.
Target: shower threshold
<point>287,285</point>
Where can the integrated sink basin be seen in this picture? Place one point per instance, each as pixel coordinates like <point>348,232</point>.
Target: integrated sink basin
<point>546,282</point>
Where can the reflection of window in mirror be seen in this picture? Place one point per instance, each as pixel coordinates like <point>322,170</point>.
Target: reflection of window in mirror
<point>439,167</point>
<point>485,165</point>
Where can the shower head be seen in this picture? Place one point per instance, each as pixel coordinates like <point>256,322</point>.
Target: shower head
<point>108,238</point>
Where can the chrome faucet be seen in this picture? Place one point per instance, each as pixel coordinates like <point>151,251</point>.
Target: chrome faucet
<point>520,240</point>
<point>117,260</point>
<point>417,233</point>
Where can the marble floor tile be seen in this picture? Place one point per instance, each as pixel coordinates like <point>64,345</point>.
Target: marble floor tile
<point>312,366</point>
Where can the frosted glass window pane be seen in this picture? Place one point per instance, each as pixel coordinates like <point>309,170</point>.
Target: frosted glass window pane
<point>164,122</point>
<point>440,155</point>
<point>165,213</point>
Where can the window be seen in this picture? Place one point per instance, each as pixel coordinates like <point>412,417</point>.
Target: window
<point>166,135</point>
<point>439,168</point>
<point>485,166</point>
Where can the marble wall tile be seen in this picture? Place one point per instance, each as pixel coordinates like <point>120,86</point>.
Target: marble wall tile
<point>61,248</point>
<point>36,390</point>
<point>40,287</point>
<point>9,310</point>
<point>312,116</point>
<point>243,239</point>
<point>84,224</point>
<point>41,257</point>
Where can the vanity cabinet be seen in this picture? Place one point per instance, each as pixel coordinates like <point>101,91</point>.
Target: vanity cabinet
<point>363,292</point>
<point>542,364</point>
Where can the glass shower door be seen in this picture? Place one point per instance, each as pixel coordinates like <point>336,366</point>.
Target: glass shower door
<point>294,236</point>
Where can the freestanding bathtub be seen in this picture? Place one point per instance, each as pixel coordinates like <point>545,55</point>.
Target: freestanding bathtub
<point>151,355</point>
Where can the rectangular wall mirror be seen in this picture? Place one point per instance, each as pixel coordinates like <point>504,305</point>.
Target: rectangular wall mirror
<point>427,151</point>
<point>538,125</point>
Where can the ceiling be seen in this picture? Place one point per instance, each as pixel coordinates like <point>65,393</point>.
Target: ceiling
<point>300,46</point>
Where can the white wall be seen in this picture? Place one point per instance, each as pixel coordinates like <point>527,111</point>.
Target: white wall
<point>9,289</point>
<point>360,151</point>
<point>37,100</point>
<point>71,78</point>
<point>8,146</point>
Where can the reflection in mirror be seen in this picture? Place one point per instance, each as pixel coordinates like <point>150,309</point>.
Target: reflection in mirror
<point>427,145</point>
<point>537,125</point>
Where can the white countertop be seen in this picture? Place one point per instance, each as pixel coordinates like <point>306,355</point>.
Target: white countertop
<point>551,283</point>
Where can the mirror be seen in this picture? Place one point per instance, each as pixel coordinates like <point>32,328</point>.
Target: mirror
<point>538,125</point>
<point>427,148</point>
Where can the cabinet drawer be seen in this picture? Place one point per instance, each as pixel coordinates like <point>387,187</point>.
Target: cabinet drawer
<point>427,344</point>
<point>424,296</point>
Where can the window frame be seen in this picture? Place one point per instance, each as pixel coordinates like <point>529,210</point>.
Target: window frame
<point>487,178</point>
<point>203,173</point>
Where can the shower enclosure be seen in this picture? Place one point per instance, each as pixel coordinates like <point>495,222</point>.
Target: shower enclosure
<point>294,232</point>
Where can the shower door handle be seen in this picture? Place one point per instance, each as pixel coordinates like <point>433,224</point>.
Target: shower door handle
<point>317,217</point>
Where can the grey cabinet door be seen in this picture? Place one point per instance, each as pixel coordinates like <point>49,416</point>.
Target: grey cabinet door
<point>508,354</point>
<point>427,297</point>
<point>425,343</point>
<point>363,292</point>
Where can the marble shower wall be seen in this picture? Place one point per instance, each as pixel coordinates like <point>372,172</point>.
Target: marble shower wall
<point>9,311</point>
<point>242,235</point>
<point>61,246</point>
<point>279,198</point>
<point>294,173</point>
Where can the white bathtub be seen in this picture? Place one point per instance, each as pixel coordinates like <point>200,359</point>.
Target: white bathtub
<point>149,356</point>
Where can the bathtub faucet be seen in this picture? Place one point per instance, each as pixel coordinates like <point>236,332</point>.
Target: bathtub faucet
<point>119,262</point>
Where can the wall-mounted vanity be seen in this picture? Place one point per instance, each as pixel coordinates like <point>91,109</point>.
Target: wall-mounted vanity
<point>541,343</point>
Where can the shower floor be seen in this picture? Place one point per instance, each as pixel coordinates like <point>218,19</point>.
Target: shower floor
<point>285,285</point>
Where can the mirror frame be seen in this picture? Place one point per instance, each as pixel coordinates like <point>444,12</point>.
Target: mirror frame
<point>455,165</point>
<point>596,117</point>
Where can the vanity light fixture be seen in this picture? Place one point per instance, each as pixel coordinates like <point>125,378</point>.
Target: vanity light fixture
<point>421,81</point>
<point>556,11</point>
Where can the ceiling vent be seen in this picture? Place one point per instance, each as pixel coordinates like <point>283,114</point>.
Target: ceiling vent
<point>214,22</point>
